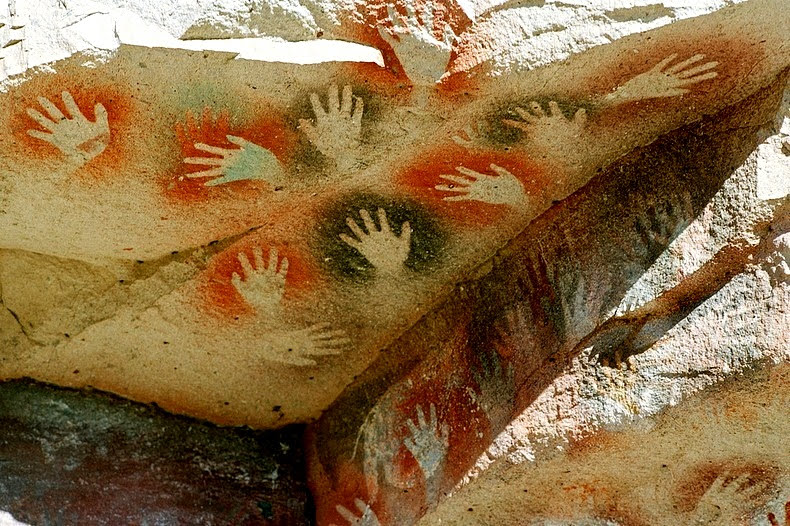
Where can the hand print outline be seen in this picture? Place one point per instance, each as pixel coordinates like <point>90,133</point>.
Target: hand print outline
<point>727,500</point>
<point>428,442</point>
<point>298,347</point>
<point>379,245</point>
<point>501,189</point>
<point>77,138</point>
<point>549,128</point>
<point>337,129</point>
<point>663,80</point>
<point>225,165</point>
<point>263,285</point>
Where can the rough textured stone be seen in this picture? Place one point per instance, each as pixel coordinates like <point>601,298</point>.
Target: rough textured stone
<point>663,274</point>
<point>72,458</point>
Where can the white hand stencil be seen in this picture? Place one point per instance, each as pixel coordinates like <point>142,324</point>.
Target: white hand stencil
<point>248,162</point>
<point>262,285</point>
<point>501,189</point>
<point>79,139</point>
<point>384,250</point>
<point>336,131</point>
<point>428,442</point>
<point>664,80</point>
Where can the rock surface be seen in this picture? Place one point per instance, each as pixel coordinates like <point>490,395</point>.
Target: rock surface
<point>657,266</point>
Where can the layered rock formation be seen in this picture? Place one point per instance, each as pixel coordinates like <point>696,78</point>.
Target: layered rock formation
<point>459,260</point>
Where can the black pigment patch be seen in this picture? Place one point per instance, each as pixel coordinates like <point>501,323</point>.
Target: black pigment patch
<point>339,259</point>
<point>501,134</point>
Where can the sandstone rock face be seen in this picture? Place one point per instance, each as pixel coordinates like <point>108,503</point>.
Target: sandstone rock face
<point>457,248</point>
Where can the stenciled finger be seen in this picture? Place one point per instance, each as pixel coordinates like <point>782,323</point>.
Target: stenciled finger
<point>471,173</point>
<point>333,100</point>
<point>318,109</point>
<point>346,100</point>
<point>696,70</point>
<point>102,118</point>
<point>206,161</point>
<point>433,421</point>
<point>527,116</point>
<point>359,108</point>
<point>684,64</point>
<point>460,141</point>
<point>554,109</point>
<point>421,418</point>
<point>53,111</point>
<point>664,63</point>
<point>44,136</point>
<point>350,241</point>
<point>284,267</point>
<point>405,233</point>
<point>465,197</point>
<point>454,189</point>
<point>257,256</point>
<point>238,141</point>
<point>382,215</point>
<point>361,506</point>
<point>412,426</point>
<point>40,119</point>
<point>700,78</point>
<point>502,172</point>
<point>355,228</point>
<point>580,117</point>
<point>245,264</point>
<point>370,225</point>
<point>456,179</point>
<point>214,172</point>
<point>203,147</point>
<point>235,280</point>
<point>71,106</point>
<point>337,344</point>
<point>273,260</point>
<point>346,514</point>
<point>318,327</point>
<point>326,334</point>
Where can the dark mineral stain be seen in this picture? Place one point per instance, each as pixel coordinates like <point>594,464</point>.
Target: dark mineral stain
<point>427,238</point>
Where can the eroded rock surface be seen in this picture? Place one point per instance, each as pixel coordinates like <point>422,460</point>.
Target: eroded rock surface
<point>463,258</point>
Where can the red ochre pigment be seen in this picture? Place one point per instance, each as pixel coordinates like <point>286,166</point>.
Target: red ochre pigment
<point>422,176</point>
<point>120,110</point>
<point>221,299</point>
<point>735,59</point>
<point>268,131</point>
